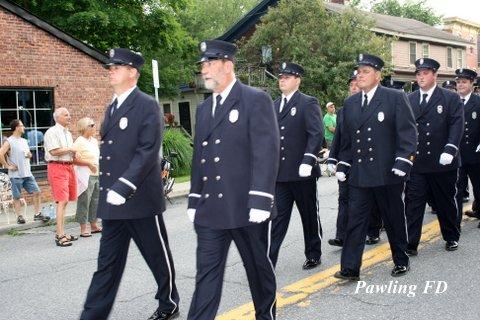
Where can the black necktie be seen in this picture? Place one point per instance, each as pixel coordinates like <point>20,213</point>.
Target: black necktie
<point>463,101</point>
<point>365,102</point>
<point>423,104</point>
<point>217,105</point>
<point>284,104</point>
<point>113,106</point>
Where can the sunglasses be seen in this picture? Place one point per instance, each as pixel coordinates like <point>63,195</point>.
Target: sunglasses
<point>91,125</point>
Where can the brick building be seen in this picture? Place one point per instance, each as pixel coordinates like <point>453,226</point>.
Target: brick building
<point>43,68</point>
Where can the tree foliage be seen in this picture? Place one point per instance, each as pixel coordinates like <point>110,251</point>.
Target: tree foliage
<point>147,26</point>
<point>208,19</point>
<point>325,43</point>
<point>412,9</point>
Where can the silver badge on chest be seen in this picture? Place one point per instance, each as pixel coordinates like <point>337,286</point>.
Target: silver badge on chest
<point>293,111</point>
<point>233,116</point>
<point>381,116</point>
<point>123,124</point>
<point>474,115</point>
<point>439,109</point>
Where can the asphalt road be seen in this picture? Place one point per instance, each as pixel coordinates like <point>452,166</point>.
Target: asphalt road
<point>41,281</point>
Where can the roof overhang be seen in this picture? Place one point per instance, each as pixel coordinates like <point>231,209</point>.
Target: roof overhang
<point>462,44</point>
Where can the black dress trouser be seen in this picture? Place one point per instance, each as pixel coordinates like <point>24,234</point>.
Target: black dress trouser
<point>392,209</point>
<point>444,191</point>
<point>150,236</point>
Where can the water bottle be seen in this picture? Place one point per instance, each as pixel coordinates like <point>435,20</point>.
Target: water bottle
<point>51,211</point>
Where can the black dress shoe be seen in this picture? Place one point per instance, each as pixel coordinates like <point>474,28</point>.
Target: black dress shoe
<point>451,245</point>
<point>335,242</point>
<point>372,240</point>
<point>164,315</point>
<point>472,214</point>
<point>311,263</point>
<point>398,271</point>
<point>345,275</point>
<point>411,252</point>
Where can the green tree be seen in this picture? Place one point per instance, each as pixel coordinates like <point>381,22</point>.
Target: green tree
<point>208,19</point>
<point>147,26</point>
<point>325,43</point>
<point>412,9</point>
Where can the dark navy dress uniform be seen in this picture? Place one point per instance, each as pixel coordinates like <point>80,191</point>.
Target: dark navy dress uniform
<point>440,128</point>
<point>376,138</point>
<point>470,167</point>
<point>129,165</point>
<point>301,136</point>
<point>234,168</point>
<point>375,218</point>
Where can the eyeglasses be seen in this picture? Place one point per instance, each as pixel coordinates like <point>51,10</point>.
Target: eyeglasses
<point>91,125</point>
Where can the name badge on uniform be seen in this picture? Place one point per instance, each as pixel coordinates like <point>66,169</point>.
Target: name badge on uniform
<point>381,116</point>
<point>474,115</point>
<point>123,123</point>
<point>293,111</point>
<point>233,116</point>
<point>439,109</point>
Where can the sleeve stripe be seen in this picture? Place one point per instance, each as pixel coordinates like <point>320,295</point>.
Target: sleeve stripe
<point>344,163</point>
<point>128,183</point>
<point>261,194</point>
<point>405,160</point>
<point>194,195</point>
<point>311,155</point>
<point>451,145</point>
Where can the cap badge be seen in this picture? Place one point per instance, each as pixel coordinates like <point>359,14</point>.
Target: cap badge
<point>284,65</point>
<point>203,47</point>
<point>111,53</point>
<point>360,57</point>
<point>421,61</point>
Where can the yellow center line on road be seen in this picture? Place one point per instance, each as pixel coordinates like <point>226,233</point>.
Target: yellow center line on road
<point>299,291</point>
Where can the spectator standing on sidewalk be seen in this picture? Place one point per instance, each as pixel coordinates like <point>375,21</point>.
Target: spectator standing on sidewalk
<point>86,161</point>
<point>19,170</point>
<point>59,153</point>
<point>330,123</point>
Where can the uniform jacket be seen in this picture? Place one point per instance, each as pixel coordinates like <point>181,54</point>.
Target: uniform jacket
<point>129,159</point>
<point>471,135</point>
<point>375,140</point>
<point>301,136</point>
<point>440,129</point>
<point>235,159</point>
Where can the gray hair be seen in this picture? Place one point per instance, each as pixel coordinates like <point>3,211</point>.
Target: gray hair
<point>58,112</point>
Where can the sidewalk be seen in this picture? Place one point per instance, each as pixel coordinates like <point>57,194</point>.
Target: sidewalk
<point>8,221</point>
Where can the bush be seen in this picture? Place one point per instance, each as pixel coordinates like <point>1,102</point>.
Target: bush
<point>176,142</point>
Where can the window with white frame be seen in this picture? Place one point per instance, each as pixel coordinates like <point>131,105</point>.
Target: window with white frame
<point>459,58</point>
<point>413,52</point>
<point>34,107</point>
<point>425,50</point>
<point>449,57</point>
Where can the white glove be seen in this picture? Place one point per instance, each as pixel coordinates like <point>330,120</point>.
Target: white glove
<point>114,198</point>
<point>257,215</point>
<point>191,214</point>
<point>478,148</point>
<point>341,176</point>
<point>445,159</point>
<point>305,170</point>
<point>331,168</point>
<point>399,173</point>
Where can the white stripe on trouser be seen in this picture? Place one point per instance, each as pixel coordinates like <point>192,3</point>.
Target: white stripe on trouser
<point>269,238</point>
<point>404,209</point>
<point>318,209</point>
<point>164,247</point>
<point>455,199</point>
